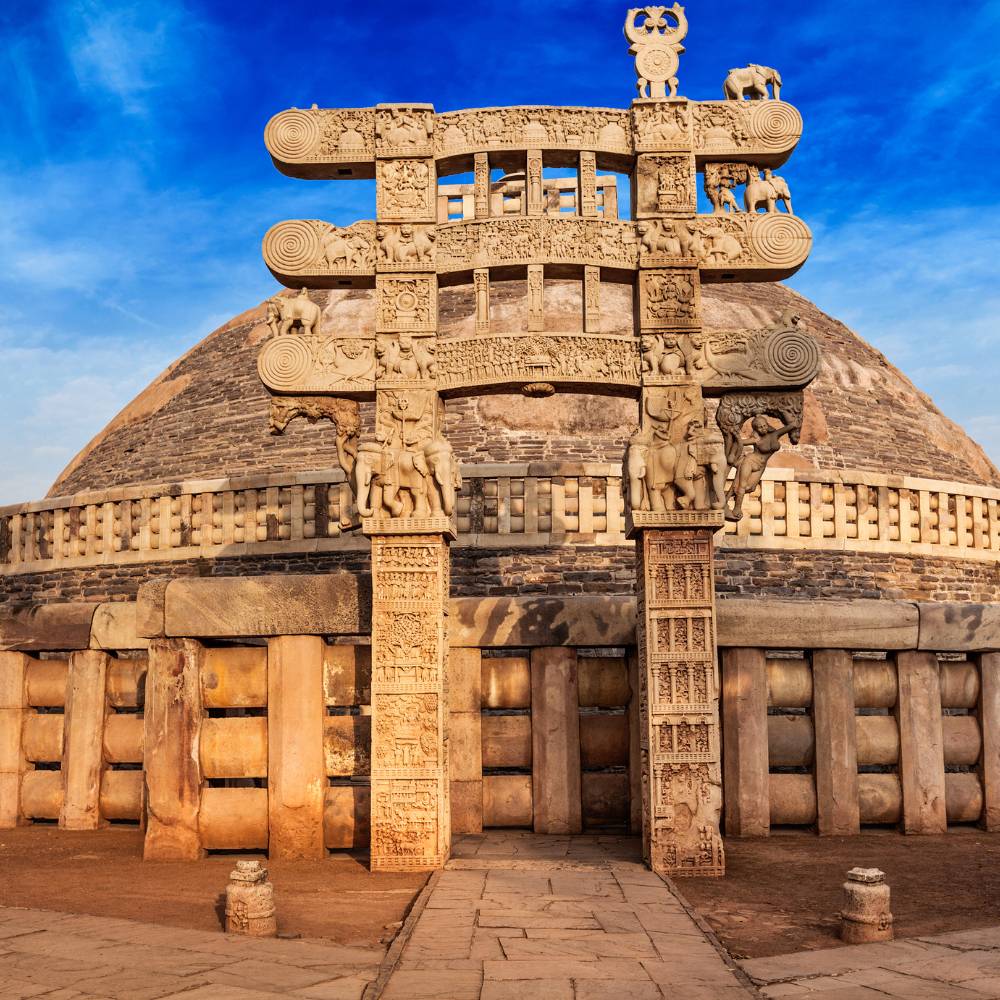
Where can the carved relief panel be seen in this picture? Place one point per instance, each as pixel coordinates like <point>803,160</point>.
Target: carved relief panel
<point>406,190</point>
<point>665,185</point>
<point>669,298</point>
<point>662,127</point>
<point>407,303</point>
<point>404,130</point>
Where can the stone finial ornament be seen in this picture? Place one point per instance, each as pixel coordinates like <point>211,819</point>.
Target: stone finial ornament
<point>250,901</point>
<point>752,83</point>
<point>866,916</point>
<point>656,45</point>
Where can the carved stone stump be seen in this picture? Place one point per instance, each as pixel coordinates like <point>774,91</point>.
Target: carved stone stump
<point>410,811</point>
<point>682,776</point>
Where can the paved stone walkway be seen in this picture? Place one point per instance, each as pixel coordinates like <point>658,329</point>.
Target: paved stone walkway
<point>59,956</point>
<point>519,917</point>
<point>961,965</point>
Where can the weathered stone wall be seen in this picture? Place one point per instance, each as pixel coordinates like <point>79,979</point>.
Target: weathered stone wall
<point>206,416</point>
<point>564,570</point>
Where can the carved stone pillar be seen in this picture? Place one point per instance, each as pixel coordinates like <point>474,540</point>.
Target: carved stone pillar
<point>533,187</point>
<point>591,299</point>
<point>682,775</point>
<point>481,185</point>
<point>587,190</point>
<point>536,298</point>
<point>406,481</point>
<point>481,282</point>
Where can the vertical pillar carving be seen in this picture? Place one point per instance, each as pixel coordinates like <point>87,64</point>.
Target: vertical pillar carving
<point>536,298</point>
<point>410,818</point>
<point>683,779</point>
<point>837,807</point>
<point>481,281</point>
<point>587,190</point>
<point>481,185</point>
<point>533,189</point>
<point>406,482</point>
<point>591,299</point>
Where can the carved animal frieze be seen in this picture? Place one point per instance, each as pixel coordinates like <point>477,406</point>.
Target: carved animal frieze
<point>298,314</point>
<point>405,248</point>
<point>299,248</point>
<point>403,358</point>
<point>746,128</point>
<point>314,363</point>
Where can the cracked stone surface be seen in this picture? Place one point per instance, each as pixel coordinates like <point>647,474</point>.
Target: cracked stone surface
<point>959,965</point>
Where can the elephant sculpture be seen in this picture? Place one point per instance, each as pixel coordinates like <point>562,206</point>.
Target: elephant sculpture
<point>752,82</point>
<point>405,483</point>
<point>767,192</point>
<point>301,311</point>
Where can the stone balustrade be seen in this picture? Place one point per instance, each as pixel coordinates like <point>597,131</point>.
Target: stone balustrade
<point>500,506</point>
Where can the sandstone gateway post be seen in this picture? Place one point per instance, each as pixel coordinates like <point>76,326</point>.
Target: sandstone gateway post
<point>685,472</point>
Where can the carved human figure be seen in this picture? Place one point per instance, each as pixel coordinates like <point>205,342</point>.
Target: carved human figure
<point>300,311</point>
<point>752,82</point>
<point>767,192</point>
<point>750,468</point>
<point>636,469</point>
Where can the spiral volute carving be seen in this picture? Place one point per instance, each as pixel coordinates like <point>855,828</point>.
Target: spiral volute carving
<point>291,247</point>
<point>285,363</point>
<point>793,356</point>
<point>775,124</point>
<point>780,239</point>
<point>292,135</point>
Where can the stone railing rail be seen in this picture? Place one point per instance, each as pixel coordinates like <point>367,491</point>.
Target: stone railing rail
<point>501,505</point>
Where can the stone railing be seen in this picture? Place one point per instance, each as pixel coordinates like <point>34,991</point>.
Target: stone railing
<point>509,505</point>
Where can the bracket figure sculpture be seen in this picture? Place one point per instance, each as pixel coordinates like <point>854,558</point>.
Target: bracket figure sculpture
<point>677,468</point>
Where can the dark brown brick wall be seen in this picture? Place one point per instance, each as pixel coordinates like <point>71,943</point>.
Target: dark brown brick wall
<point>563,571</point>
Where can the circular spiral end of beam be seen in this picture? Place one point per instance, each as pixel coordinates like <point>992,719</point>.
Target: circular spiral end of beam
<point>285,363</point>
<point>291,135</point>
<point>793,356</point>
<point>779,239</point>
<point>293,246</point>
<point>775,124</point>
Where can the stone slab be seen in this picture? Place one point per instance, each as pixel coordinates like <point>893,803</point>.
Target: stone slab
<point>115,626</point>
<point>776,624</point>
<point>46,627</point>
<point>329,604</point>
<point>950,627</point>
<point>543,621</point>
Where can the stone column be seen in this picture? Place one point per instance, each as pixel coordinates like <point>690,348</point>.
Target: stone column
<point>406,512</point>
<point>296,767</point>
<point>988,713</point>
<point>13,763</point>
<point>587,190</point>
<point>481,283</point>
<point>83,740</point>
<point>555,741</point>
<point>674,470</point>
<point>682,763</point>
<point>481,184</point>
<point>836,767</point>
<point>465,740</point>
<point>591,299</point>
<point>534,194</point>
<point>536,298</point>
<point>172,754</point>
<point>744,730</point>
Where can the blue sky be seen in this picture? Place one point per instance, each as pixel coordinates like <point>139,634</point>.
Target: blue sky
<point>135,185</point>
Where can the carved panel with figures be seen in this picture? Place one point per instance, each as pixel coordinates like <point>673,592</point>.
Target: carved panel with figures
<point>406,190</point>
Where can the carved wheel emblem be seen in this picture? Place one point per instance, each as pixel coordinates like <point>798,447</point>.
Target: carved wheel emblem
<point>657,63</point>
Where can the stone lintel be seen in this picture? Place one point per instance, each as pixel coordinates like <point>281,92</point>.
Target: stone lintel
<point>47,627</point>
<point>959,628</point>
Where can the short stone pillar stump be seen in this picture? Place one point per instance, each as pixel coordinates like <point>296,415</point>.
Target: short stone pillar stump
<point>866,916</point>
<point>250,901</point>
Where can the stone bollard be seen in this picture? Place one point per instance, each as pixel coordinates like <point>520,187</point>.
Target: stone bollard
<point>250,901</point>
<point>866,916</point>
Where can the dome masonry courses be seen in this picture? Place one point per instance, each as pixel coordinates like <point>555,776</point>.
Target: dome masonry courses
<point>206,415</point>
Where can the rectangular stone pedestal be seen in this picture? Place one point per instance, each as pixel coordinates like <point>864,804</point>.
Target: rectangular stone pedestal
<point>682,779</point>
<point>410,818</point>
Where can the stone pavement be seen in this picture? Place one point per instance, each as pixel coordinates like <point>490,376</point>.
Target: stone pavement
<point>59,956</point>
<point>960,965</point>
<point>520,917</point>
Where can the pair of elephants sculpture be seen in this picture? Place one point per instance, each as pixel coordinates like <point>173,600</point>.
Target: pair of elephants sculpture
<point>417,481</point>
<point>681,462</point>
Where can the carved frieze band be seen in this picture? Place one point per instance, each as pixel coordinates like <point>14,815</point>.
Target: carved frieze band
<point>728,359</point>
<point>339,136</point>
<point>741,245</point>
